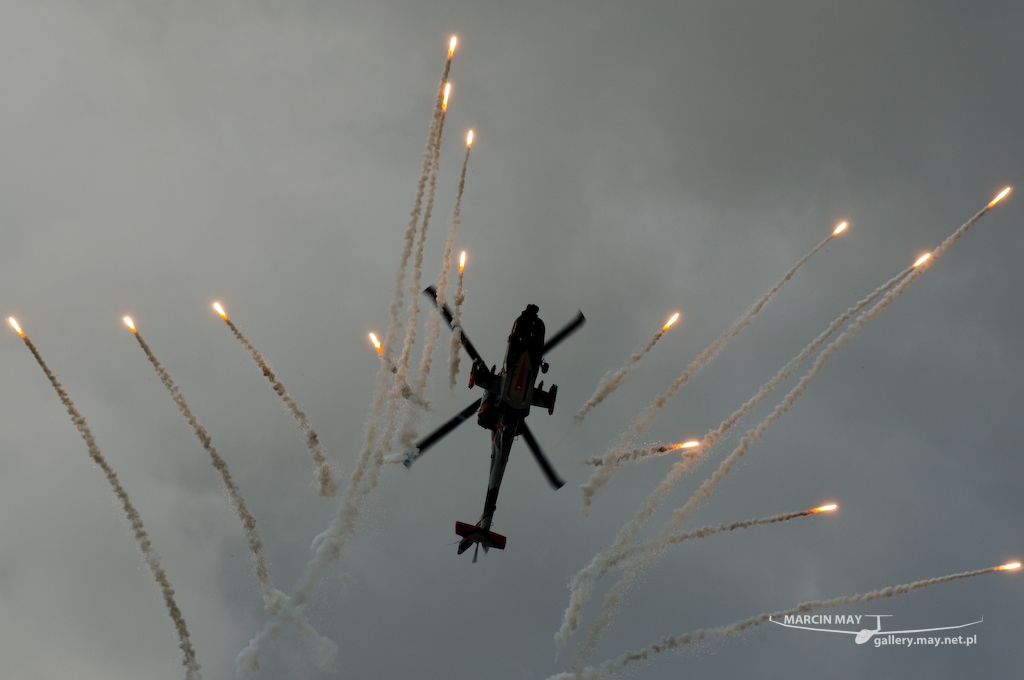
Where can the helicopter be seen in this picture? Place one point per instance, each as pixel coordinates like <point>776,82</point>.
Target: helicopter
<point>508,396</point>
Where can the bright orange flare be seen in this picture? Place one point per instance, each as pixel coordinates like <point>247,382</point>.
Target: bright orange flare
<point>15,326</point>
<point>462,262</point>
<point>687,445</point>
<point>376,343</point>
<point>1001,196</point>
<point>671,321</point>
<point>220,310</point>
<point>921,260</point>
<point>451,46</point>
<point>447,91</point>
<point>1008,567</point>
<point>825,508</point>
<point>469,139</point>
<point>840,229</point>
<point>128,322</point>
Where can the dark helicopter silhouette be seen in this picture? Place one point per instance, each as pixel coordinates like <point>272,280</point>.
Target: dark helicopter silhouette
<point>508,396</point>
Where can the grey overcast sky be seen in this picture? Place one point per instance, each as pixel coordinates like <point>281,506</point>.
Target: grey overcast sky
<point>631,160</point>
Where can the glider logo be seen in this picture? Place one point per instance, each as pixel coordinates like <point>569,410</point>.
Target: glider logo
<point>881,637</point>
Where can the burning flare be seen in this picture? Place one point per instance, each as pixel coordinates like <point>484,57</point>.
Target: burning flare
<point>693,443</point>
<point>612,381</point>
<point>447,91</point>
<point>451,46</point>
<point>325,485</point>
<point>462,262</point>
<point>376,343</point>
<point>921,260</point>
<point>469,139</point>
<point>1001,196</point>
<point>840,229</point>
<point>128,322</point>
<point>1011,565</point>
<point>825,508</point>
<point>15,326</point>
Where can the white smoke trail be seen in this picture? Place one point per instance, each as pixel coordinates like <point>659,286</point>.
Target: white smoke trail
<point>328,545</point>
<point>149,554</point>
<point>582,586</point>
<point>604,473</point>
<point>599,564</point>
<point>406,391</point>
<point>274,601</point>
<point>635,565</point>
<point>409,427</point>
<point>410,238</point>
<point>434,322</point>
<point>641,454</point>
<point>414,215</point>
<point>431,162</point>
<point>611,381</point>
<point>704,532</point>
<point>456,343</point>
<point>671,642</point>
<point>325,484</point>
<point>680,515</point>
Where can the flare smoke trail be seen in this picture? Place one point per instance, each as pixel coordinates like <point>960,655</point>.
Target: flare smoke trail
<point>456,343</point>
<point>680,515</point>
<point>327,546</point>
<point>635,558</point>
<point>434,322</point>
<point>612,381</point>
<point>235,496</point>
<point>710,530</point>
<point>649,452</point>
<point>326,486</point>
<point>414,215</point>
<point>273,599</point>
<point>408,432</point>
<point>149,554</point>
<point>582,585</point>
<point>599,565</point>
<point>671,642</point>
<point>406,391</point>
<point>625,443</point>
<point>713,436</point>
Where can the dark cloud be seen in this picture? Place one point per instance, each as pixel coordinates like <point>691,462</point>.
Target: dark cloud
<point>629,161</point>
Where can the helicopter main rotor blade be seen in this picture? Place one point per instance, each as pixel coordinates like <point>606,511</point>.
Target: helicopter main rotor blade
<point>431,293</point>
<point>570,328</point>
<point>432,438</point>
<point>542,460</point>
